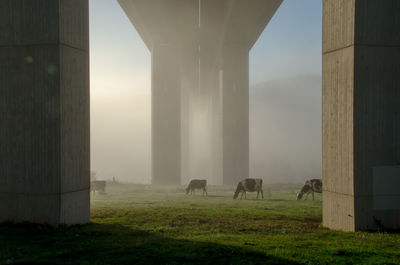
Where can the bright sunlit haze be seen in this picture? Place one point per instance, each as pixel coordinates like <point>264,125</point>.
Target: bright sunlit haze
<point>285,96</point>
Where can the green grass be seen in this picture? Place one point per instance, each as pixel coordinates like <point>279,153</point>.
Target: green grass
<point>140,224</point>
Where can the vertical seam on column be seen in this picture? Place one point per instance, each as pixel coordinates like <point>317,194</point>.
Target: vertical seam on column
<point>88,108</point>
<point>353,114</point>
<point>199,13</point>
<point>152,112</point>
<point>59,113</point>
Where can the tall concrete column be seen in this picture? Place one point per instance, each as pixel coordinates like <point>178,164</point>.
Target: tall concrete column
<point>235,113</point>
<point>361,114</point>
<point>210,106</point>
<point>201,114</point>
<point>44,111</point>
<point>165,115</point>
<point>215,117</point>
<point>189,92</point>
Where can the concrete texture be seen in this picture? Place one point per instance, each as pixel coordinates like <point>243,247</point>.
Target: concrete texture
<point>361,106</point>
<point>235,114</point>
<point>338,210</point>
<point>213,39</point>
<point>44,112</point>
<point>386,196</point>
<point>165,115</point>
<point>189,88</point>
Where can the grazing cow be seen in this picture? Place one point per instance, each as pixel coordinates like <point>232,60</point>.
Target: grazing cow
<point>250,185</point>
<point>199,184</point>
<point>99,185</point>
<point>311,186</point>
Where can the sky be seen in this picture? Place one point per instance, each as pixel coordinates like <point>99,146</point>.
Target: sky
<point>288,49</point>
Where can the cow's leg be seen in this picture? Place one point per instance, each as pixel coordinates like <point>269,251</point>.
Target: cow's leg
<point>262,194</point>
<point>307,196</point>
<point>312,195</point>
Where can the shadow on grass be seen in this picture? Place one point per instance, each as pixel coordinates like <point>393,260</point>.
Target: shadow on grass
<point>115,244</point>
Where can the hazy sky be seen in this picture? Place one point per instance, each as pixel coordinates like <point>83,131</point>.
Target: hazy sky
<point>289,47</point>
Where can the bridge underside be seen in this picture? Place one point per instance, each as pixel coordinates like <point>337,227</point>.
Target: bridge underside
<point>200,84</point>
<point>199,104</point>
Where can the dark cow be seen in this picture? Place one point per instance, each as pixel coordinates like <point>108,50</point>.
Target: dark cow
<point>250,185</point>
<point>98,185</point>
<point>311,186</point>
<point>199,184</point>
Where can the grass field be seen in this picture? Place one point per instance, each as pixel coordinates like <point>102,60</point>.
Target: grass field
<point>140,224</point>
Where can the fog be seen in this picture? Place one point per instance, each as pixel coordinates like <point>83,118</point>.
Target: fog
<point>285,129</point>
<point>121,134</point>
<point>285,114</point>
<point>285,132</point>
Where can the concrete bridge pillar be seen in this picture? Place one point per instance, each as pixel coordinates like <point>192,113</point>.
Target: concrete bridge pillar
<point>361,114</point>
<point>189,90</point>
<point>235,113</point>
<point>44,112</point>
<point>214,40</point>
<point>165,114</point>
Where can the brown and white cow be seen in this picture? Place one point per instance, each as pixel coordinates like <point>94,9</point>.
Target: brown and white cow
<point>250,185</point>
<point>199,184</point>
<point>311,186</point>
<point>98,185</point>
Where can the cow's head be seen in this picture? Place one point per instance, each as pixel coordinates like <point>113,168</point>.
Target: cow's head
<point>187,190</point>
<point>239,188</point>
<point>299,195</point>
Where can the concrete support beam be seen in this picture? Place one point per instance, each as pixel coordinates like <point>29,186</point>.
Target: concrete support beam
<point>44,112</point>
<point>214,123</point>
<point>168,27</point>
<point>361,111</point>
<point>166,115</point>
<point>199,77</point>
<point>189,63</point>
<point>211,109</point>
<point>235,113</point>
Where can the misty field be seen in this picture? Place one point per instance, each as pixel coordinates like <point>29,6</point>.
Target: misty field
<point>140,224</point>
